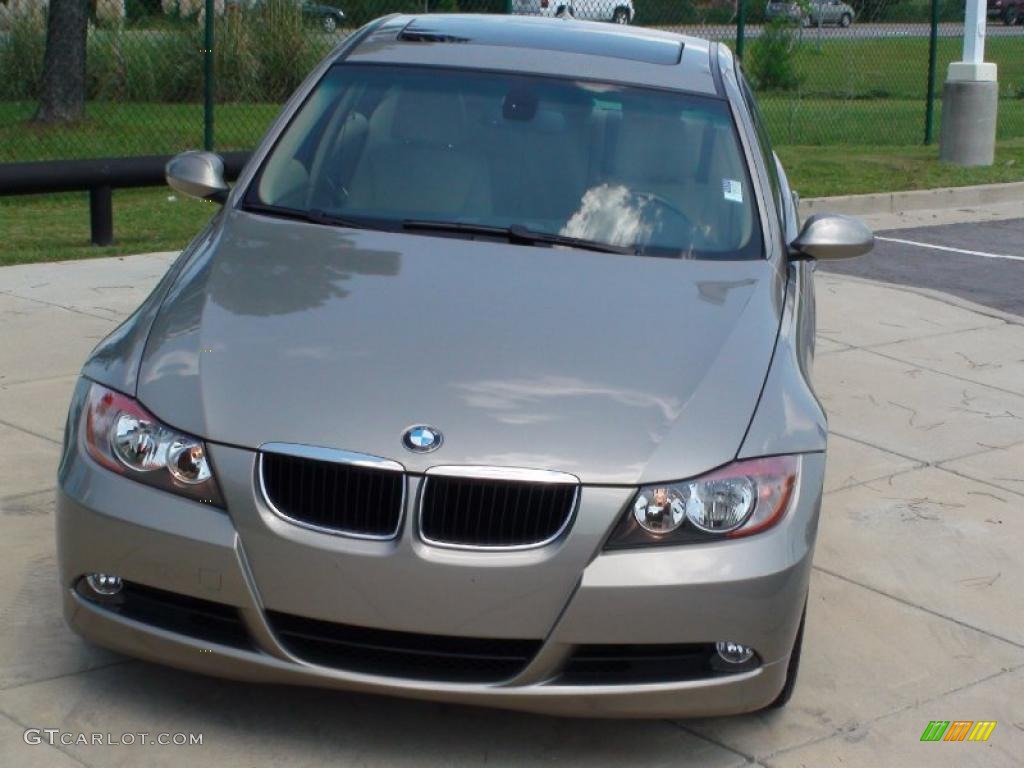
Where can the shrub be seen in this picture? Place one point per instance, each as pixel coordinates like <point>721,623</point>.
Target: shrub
<point>154,66</point>
<point>262,52</point>
<point>359,12</point>
<point>139,10</point>
<point>21,55</point>
<point>770,59</point>
<point>287,51</point>
<point>237,63</point>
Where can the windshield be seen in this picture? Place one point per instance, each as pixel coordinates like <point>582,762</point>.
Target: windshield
<point>655,172</point>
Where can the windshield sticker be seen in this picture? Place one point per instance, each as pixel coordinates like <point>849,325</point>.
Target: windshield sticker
<point>732,190</point>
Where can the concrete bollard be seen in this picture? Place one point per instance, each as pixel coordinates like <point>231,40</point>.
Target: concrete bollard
<point>968,133</point>
<point>970,97</point>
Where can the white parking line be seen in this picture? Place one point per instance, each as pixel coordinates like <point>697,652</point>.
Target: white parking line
<point>947,248</point>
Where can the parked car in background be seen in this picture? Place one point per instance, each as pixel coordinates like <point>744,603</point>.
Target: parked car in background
<point>815,14</point>
<point>327,17</point>
<point>1010,11</point>
<point>615,11</point>
<point>791,12</point>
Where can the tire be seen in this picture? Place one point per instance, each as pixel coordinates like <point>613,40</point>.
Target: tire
<point>328,24</point>
<point>1011,15</point>
<point>791,669</point>
<point>621,16</point>
<point>845,21</point>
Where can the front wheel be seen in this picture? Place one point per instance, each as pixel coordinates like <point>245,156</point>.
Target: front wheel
<point>328,24</point>
<point>621,16</point>
<point>846,21</point>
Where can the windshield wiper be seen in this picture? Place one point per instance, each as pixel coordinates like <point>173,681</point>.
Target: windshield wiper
<point>315,216</point>
<point>514,234</point>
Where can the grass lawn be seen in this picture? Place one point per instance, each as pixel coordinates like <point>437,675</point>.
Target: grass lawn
<point>895,67</point>
<point>883,122</point>
<point>824,171</point>
<point>56,227</point>
<point>120,129</point>
<point>117,129</point>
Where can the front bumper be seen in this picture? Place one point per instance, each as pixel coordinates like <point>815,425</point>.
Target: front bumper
<point>750,591</point>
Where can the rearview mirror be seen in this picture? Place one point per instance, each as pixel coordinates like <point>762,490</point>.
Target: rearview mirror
<point>198,174</point>
<point>833,236</point>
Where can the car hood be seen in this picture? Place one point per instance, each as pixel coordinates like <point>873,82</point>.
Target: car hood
<point>616,369</point>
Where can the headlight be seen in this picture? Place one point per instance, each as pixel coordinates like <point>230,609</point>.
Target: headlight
<point>126,438</point>
<point>740,499</point>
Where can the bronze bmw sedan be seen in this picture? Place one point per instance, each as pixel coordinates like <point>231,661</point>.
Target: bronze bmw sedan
<point>488,383</point>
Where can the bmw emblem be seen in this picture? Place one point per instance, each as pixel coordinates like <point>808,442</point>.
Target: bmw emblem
<point>422,439</point>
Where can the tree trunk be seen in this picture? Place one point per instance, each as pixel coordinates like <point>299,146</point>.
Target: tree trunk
<point>62,97</point>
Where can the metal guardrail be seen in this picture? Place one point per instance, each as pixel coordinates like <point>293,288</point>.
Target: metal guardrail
<point>99,177</point>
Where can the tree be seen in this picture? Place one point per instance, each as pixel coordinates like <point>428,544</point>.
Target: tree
<point>62,96</point>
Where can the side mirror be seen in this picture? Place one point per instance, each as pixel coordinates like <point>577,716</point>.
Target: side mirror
<point>832,236</point>
<point>198,174</point>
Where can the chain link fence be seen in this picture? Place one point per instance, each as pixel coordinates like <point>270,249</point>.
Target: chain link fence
<point>829,73</point>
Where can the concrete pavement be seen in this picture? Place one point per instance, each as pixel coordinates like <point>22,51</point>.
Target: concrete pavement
<point>915,611</point>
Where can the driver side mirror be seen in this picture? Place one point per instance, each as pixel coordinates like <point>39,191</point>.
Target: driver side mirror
<point>832,236</point>
<point>198,174</point>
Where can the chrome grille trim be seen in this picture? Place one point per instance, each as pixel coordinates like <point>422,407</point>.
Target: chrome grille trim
<point>500,474</point>
<point>334,456</point>
<point>510,474</point>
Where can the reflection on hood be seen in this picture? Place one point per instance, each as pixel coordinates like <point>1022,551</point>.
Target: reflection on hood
<point>343,338</point>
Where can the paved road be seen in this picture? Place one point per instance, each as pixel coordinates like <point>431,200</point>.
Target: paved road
<point>865,31</point>
<point>980,262</point>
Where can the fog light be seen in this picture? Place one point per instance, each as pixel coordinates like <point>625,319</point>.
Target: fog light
<point>733,653</point>
<point>104,584</point>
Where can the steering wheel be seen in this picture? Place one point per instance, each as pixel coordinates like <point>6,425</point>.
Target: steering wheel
<point>676,226</point>
<point>667,205</point>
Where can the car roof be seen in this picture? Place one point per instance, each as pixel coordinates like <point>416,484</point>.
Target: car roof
<point>544,46</point>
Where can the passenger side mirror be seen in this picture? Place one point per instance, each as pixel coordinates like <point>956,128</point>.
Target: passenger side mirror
<point>198,174</point>
<point>832,236</point>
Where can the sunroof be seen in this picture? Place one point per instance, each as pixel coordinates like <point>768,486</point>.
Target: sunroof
<point>545,35</point>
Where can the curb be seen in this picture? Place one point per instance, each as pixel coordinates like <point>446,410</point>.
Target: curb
<point>929,293</point>
<point>916,200</point>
